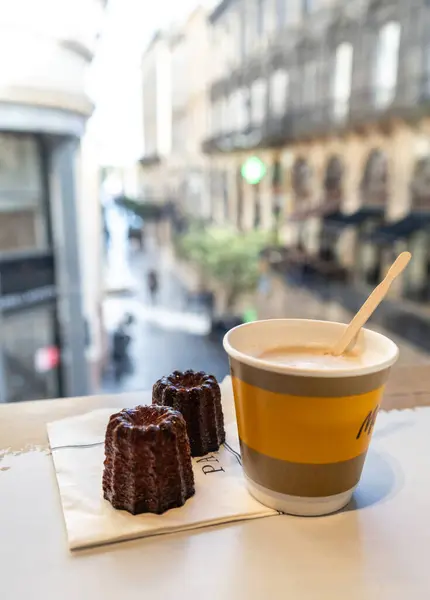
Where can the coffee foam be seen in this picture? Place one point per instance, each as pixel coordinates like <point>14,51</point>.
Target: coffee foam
<point>310,357</point>
<point>247,343</point>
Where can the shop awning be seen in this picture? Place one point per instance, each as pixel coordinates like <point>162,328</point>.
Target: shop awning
<point>401,229</point>
<point>320,210</point>
<point>346,220</point>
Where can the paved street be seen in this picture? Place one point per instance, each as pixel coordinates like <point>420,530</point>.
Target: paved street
<point>165,335</point>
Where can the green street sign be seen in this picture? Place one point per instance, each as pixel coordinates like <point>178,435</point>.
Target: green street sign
<point>253,170</point>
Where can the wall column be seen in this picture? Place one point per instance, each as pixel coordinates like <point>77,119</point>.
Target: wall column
<point>401,165</point>
<point>70,300</point>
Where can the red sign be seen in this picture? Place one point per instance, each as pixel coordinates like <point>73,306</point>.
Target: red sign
<point>46,359</point>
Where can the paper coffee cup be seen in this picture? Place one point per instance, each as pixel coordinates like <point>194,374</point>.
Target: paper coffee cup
<point>304,432</point>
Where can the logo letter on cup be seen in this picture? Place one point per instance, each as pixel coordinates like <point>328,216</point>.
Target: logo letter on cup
<point>368,423</point>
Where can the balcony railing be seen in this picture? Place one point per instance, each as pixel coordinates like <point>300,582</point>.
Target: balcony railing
<point>273,132</point>
<point>370,105</point>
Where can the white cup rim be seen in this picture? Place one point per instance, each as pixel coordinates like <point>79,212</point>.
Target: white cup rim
<point>390,355</point>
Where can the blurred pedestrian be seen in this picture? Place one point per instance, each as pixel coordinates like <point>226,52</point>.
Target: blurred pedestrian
<point>120,360</point>
<point>106,231</point>
<point>153,285</point>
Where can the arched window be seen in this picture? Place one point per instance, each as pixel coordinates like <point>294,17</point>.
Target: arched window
<point>374,184</point>
<point>333,179</point>
<point>302,179</point>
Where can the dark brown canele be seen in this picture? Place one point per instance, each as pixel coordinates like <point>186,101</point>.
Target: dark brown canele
<point>198,397</point>
<point>147,465</point>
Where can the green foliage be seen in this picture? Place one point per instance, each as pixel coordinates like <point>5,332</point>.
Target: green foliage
<point>230,258</point>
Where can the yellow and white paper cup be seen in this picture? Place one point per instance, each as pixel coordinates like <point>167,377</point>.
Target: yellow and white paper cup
<point>304,432</point>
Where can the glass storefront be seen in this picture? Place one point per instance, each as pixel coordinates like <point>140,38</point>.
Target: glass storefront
<point>31,354</point>
<point>30,346</point>
<point>23,202</point>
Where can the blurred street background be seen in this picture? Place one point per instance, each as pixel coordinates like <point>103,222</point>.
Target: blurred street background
<point>168,172</point>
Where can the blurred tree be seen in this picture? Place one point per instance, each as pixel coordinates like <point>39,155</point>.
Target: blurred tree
<point>231,259</point>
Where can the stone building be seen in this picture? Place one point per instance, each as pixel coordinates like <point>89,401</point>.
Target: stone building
<point>157,116</point>
<point>333,97</point>
<point>175,86</point>
<point>49,310</point>
<point>189,165</point>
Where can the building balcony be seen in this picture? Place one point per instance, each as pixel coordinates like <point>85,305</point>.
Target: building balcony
<point>278,130</point>
<point>217,143</point>
<point>368,106</point>
<point>313,120</point>
<point>232,141</point>
<point>409,100</point>
<point>273,132</point>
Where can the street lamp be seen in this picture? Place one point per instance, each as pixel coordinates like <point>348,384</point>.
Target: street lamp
<point>253,170</point>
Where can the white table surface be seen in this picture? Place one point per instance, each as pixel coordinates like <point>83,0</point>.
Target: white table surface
<point>377,550</point>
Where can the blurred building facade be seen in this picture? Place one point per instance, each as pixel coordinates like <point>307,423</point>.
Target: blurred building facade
<point>157,116</point>
<point>43,111</point>
<point>333,97</point>
<point>190,80</point>
<point>175,80</point>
